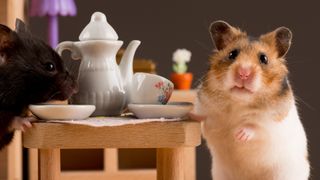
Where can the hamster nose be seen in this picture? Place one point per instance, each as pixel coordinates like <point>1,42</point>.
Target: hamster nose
<point>244,73</point>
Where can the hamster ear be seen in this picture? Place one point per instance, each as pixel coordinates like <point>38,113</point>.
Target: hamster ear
<point>5,36</point>
<point>222,34</point>
<point>21,27</point>
<point>280,39</point>
<point>3,59</point>
<point>5,42</point>
<point>283,37</point>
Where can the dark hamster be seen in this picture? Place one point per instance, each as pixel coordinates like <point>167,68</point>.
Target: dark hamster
<point>30,72</point>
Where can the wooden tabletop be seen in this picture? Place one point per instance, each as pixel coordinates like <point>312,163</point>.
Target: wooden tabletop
<point>147,135</point>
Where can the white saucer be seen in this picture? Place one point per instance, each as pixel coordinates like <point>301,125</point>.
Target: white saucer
<point>170,110</point>
<point>62,112</point>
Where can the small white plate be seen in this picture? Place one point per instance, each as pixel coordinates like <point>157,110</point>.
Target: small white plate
<point>170,110</point>
<point>62,112</point>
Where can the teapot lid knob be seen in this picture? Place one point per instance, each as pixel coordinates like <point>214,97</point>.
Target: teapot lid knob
<point>98,29</point>
<point>98,16</point>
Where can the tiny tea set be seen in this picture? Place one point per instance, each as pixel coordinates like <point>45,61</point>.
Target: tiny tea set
<point>106,88</point>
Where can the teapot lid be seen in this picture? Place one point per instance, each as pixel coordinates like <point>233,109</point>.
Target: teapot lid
<point>98,29</point>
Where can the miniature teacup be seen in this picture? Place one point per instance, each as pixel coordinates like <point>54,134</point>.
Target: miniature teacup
<point>150,89</point>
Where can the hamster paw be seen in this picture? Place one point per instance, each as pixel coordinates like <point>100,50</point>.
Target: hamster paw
<point>244,134</point>
<point>197,117</point>
<point>22,123</point>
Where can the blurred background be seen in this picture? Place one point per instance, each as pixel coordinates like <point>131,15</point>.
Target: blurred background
<point>163,26</point>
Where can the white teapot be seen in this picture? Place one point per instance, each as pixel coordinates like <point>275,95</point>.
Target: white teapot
<point>101,81</point>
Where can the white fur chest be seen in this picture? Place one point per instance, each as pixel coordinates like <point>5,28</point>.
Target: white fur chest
<point>274,143</point>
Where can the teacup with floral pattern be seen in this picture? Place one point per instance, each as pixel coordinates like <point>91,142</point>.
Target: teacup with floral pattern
<point>150,89</point>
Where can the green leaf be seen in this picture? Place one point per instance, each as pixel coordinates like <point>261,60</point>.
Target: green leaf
<point>180,68</point>
<point>175,68</point>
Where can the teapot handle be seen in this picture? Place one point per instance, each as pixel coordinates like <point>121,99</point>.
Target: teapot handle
<point>69,45</point>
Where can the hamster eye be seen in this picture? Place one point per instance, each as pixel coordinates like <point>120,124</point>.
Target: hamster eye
<point>49,66</point>
<point>263,59</point>
<point>233,54</point>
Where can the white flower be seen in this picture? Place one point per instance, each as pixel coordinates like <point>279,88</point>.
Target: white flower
<point>181,56</point>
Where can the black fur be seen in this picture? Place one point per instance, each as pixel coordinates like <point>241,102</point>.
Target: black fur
<point>285,87</point>
<point>24,78</point>
<point>253,38</point>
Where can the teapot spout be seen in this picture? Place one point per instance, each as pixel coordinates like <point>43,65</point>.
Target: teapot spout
<point>126,64</point>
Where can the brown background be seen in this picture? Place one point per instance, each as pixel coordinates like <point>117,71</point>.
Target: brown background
<point>165,25</point>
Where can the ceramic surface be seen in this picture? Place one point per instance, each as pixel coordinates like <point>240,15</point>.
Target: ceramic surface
<point>170,110</point>
<point>101,81</point>
<point>62,112</point>
<point>98,29</point>
<point>150,89</point>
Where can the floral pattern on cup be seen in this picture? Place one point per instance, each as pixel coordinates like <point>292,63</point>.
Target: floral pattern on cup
<point>166,91</point>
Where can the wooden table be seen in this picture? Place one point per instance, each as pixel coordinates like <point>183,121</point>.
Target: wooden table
<point>11,156</point>
<point>170,139</point>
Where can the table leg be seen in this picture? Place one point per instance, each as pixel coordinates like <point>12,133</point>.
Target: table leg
<point>170,164</point>
<point>49,164</point>
<point>190,163</point>
<point>33,164</point>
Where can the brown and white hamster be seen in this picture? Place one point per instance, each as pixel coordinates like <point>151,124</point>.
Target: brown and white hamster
<point>251,124</point>
<point>30,72</point>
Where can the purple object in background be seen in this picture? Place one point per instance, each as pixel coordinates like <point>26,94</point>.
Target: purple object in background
<point>52,9</point>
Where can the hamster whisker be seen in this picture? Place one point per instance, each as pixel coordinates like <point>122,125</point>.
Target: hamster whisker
<point>73,68</point>
<point>199,81</point>
<point>299,99</point>
<point>50,98</point>
<point>202,45</point>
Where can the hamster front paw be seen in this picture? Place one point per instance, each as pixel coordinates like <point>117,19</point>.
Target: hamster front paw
<point>244,134</point>
<point>22,123</point>
<point>197,117</point>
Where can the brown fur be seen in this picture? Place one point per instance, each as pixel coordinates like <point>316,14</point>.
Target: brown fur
<point>249,108</point>
<point>272,74</point>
